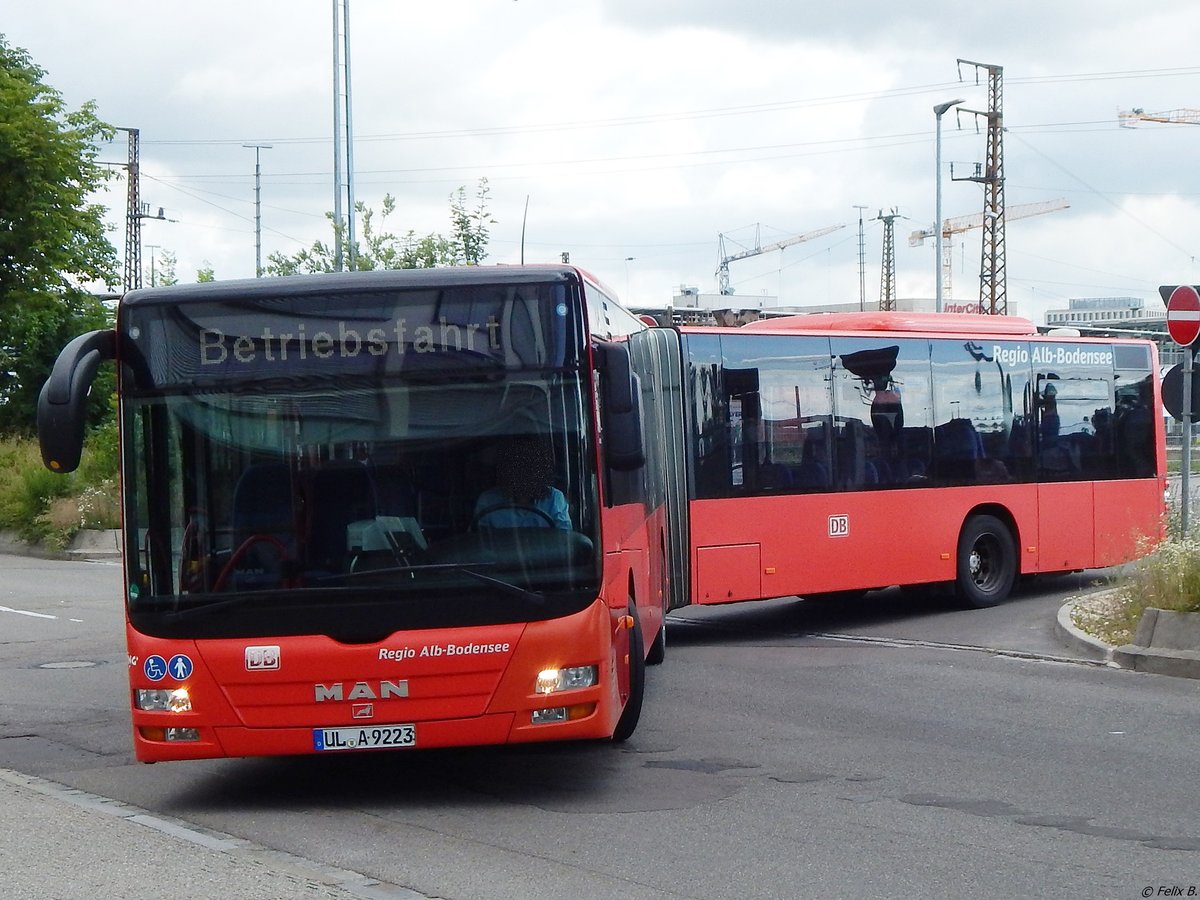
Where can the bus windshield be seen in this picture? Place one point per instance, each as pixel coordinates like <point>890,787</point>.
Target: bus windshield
<point>397,459</point>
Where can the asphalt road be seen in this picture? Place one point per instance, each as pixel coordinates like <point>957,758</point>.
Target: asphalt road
<point>894,748</point>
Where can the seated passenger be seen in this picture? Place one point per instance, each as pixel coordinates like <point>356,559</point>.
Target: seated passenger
<point>523,496</point>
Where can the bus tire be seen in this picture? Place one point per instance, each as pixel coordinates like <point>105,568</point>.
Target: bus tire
<point>628,722</point>
<point>658,649</point>
<point>986,568</point>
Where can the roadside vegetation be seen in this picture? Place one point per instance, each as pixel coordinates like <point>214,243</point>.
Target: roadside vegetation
<point>1166,578</point>
<point>54,254</point>
<point>43,507</point>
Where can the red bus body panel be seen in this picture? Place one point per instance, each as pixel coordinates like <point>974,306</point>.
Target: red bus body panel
<point>814,543</point>
<point>456,693</point>
<point>634,562</point>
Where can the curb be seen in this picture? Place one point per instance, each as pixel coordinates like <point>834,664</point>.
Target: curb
<point>1066,630</point>
<point>231,866</point>
<point>95,544</point>
<point>1179,663</point>
<point>89,544</point>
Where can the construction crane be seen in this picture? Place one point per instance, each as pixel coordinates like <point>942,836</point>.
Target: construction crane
<point>723,284</point>
<point>967,223</point>
<point>1130,118</point>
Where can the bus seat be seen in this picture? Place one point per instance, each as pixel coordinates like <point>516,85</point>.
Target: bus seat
<point>775,475</point>
<point>264,527</point>
<point>340,493</point>
<point>913,451</point>
<point>813,471</point>
<point>957,447</point>
<point>956,440</point>
<point>857,448</point>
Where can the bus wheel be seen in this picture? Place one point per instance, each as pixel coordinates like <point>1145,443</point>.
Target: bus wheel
<point>637,683</point>
<point>658,650</point>
<point>987,562</point>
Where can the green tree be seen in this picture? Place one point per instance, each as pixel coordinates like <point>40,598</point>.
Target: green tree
<point>471,226</point>
<point>377,248</point>
<point>205,274</point>
<point>161,271</point>
<point>52,239</point>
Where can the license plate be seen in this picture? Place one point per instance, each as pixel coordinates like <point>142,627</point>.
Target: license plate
<point>376,737</point>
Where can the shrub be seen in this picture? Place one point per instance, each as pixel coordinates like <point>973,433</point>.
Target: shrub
<point>44,507</point>
<point>36,490</point>
<point>1166,578</point>
<point>1169,577</point>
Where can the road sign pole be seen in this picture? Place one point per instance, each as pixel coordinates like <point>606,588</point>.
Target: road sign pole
<point>1185,479</point>
<point>1183,324</point>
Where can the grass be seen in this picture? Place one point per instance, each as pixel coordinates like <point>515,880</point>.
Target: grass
<point>1166,578</point>
<point>43,507</point>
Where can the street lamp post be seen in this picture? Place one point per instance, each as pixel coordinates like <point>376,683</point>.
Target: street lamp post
<point>938,112</point>
<point>258,148</point>
<point>153,274</point>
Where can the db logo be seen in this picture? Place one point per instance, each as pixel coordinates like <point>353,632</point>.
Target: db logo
<point>839,526</point>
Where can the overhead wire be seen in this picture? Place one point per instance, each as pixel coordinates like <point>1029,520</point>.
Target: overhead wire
<point>685,115</point>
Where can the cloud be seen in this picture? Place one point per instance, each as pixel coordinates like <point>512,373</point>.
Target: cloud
<point>640,132</point>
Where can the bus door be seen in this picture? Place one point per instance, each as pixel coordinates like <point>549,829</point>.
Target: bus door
<point>1074,443</point>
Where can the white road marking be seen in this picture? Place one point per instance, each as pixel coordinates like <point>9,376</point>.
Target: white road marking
<point>25,612</point>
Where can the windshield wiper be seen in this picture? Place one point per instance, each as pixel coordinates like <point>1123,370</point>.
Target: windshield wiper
<point>178,609</point>
<point>470,569</point>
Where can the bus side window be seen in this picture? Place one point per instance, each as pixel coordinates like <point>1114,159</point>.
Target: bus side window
<point>1133,431</point>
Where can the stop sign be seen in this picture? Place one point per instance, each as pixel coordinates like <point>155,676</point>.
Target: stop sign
<point>1183,315</point>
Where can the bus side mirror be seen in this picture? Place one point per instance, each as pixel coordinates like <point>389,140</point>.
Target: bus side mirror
<point>621,412</point>
<point>62,404</point>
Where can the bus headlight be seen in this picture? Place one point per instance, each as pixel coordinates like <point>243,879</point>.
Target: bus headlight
<point>562,713</point>
<point>566,679</point>
<point>163,700</point>
<point>171,735</point>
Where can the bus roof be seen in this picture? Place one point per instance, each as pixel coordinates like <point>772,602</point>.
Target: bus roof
<point>938,323</point>
<point>379,279</point>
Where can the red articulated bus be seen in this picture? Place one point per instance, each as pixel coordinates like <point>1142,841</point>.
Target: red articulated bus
<point>845,452</point>
<point>417,508</point>
<point>448,507</point>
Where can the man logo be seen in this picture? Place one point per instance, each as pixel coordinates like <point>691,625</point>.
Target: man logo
<point>839,526</point>
<point>362,711</point>
<point>359,690</point>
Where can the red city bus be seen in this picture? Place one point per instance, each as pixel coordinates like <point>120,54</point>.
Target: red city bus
<point>846,452</point>
<point>383,509</point>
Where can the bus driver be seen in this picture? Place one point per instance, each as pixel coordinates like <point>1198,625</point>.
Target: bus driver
<point>523,496</point>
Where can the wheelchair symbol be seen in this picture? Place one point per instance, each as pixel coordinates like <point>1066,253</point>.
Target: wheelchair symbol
<point>155,668</point>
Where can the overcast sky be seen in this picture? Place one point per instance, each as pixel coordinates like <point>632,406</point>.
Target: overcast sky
<point>640,131</point>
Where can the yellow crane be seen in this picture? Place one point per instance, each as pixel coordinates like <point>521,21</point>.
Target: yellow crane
<point>1130,118</point>
<point>723,283</point>
<point>966,223</point>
